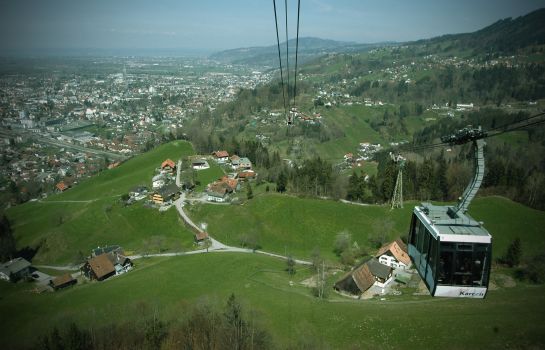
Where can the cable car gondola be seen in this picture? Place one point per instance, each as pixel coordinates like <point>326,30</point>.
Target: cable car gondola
<point>450,250</point>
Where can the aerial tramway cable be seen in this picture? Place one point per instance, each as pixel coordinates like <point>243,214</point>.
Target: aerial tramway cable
<point>296,52</point>
<point>280,58</point>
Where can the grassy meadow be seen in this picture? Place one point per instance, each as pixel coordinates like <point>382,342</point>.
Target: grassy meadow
<point>286,224</point>
<point>90,214</point>
<point>508,317</point>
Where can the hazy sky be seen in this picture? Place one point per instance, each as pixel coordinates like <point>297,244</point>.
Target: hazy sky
<point>223,24</point>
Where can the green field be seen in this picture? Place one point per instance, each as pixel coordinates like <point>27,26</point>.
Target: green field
<point>91,215</point>
<point>508,317</point>
<point>295,225</point>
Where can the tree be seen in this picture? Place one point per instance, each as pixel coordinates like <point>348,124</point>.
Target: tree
<point>281,183</point>
<point>249,193</point>
<point>235,324</point>
<point>290,265</point>
<point>513,254</point>
<point>343,242</point>
<point>7,241</point>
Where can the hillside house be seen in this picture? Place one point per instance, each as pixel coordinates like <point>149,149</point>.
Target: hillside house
<point>61,186</point>
<point>381,273</point>
<point>221,156</point>
<point>247,175</point>
<point>356,281</point>
<point>14,270</point>
<point>168,166</point>
<point>217,193</point>
<point>364,276</point>
<point>200,164</point>
<point>394,254</point>
<point>63,281</point>
<point>166,194</point>
<point>244,164</point>
<point>235,161</point>
<point>106,265</point>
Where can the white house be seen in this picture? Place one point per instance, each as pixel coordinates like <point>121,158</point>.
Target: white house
<point>217,193</point>
<point>394,254</point>
<point>221,156</point>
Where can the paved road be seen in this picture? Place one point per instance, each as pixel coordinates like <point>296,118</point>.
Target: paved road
<point>217,245</point>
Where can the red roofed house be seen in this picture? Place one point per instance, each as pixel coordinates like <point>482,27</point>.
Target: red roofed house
<point>221,156</point>
<point>247,175</point>
<point>394,254</point>
<point>61,186</point>
<point>168,165</point>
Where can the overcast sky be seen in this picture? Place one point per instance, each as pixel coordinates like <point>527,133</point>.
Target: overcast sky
<point>224,24</point>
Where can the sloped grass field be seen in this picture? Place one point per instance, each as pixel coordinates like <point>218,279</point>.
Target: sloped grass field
<point>283,223</point>
<point>509,317</point>
<point>90,214</point>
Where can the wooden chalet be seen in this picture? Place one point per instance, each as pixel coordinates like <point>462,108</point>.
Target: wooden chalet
<point>106,265</point>
<point>356,281</point>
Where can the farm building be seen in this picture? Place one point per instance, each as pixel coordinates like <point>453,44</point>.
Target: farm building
<point>394,254</point>
<point>356,281</point>
<point>106,265</point>
<point>364,276</point>
<point>61,187</point>
<point>63,281</point>
<point>14,270</point>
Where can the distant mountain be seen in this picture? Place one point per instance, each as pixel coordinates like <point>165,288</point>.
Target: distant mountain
<point>309,48</point>
<point>505,36</point>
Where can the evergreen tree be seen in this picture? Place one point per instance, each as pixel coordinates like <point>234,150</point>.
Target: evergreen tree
<point>7,241</point>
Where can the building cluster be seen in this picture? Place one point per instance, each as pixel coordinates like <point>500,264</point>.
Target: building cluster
<point>388,264</point>
<point>240,171</point>
<point>46,120</point>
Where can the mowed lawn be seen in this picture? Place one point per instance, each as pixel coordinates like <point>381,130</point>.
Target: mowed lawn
<point>508,317</point>
<point>285,224</point>
<point>91,215</point>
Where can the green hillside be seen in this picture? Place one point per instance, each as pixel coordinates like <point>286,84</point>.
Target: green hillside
<point>508,317</point>
<point>294,225</point>
<point>90,214</point>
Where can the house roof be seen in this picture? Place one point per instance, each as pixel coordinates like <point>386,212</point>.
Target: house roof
<point>62,280</point>
<point>231,183</point>
<point>221,154</point>
<point>216,190</point>
<point>398,249</point>
<point>168,163</point>
<point>201,235</point>
<point>246,174</point>
<point>361,277</point>
<point>234,157</point>
<point>101,265</point>
<point>245,160</point>
<point>61,186</point>
<point>169,190</point>
<point>378,270</point>
<point>14,265</point>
